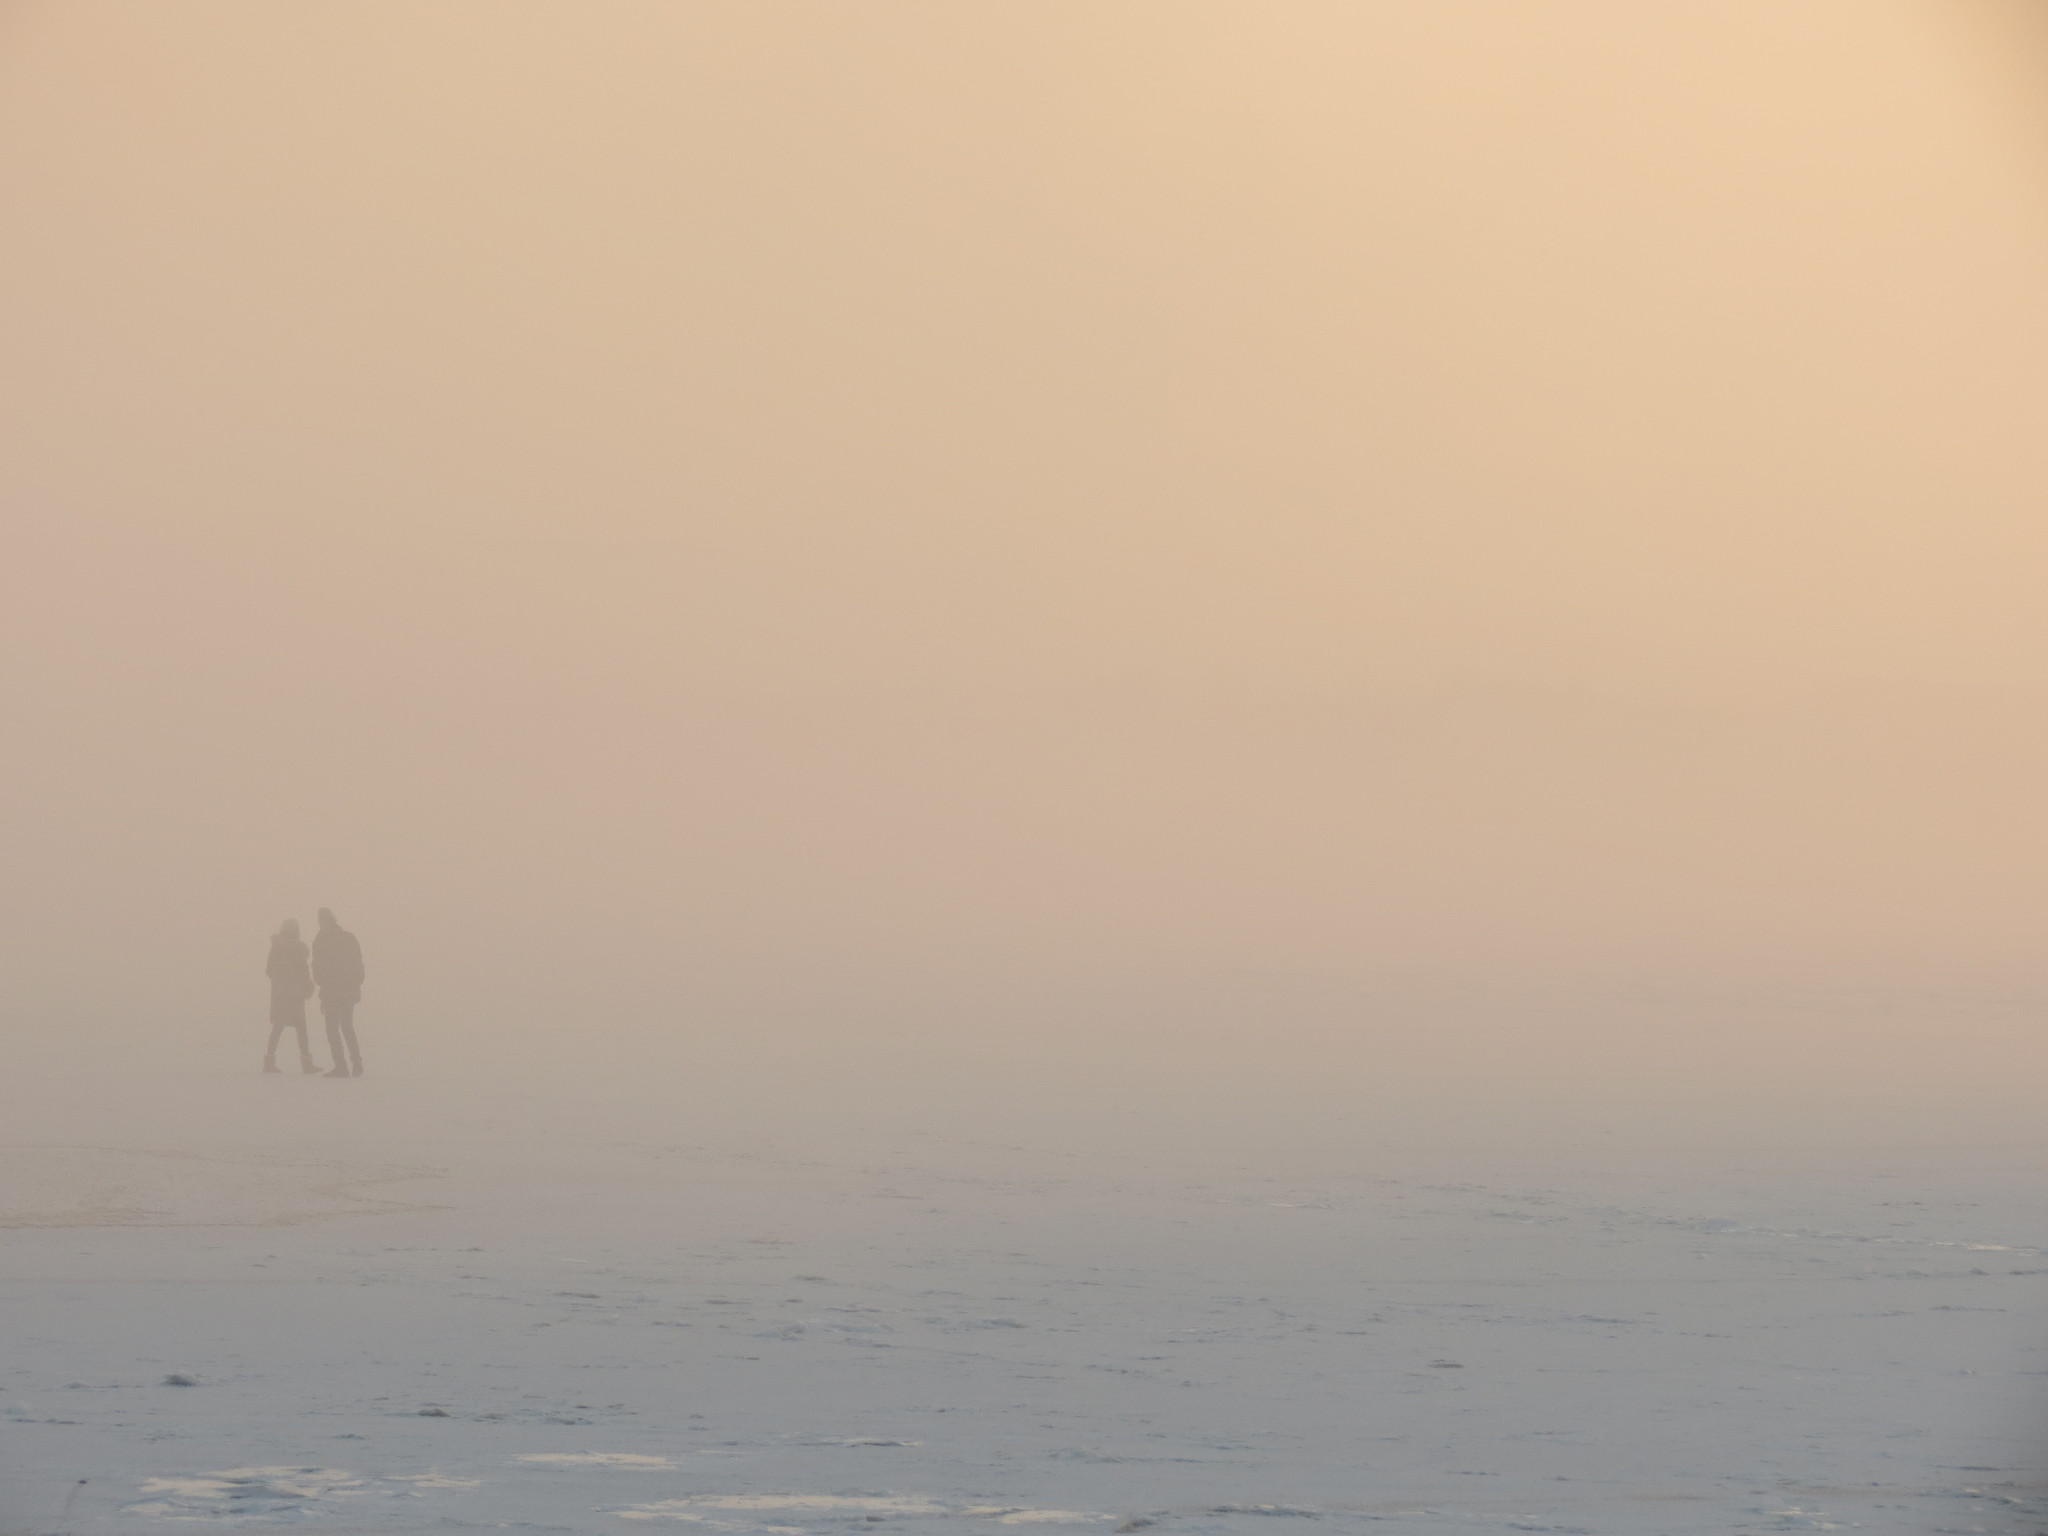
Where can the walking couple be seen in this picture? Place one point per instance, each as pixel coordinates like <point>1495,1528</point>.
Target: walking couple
<point>334,964</point>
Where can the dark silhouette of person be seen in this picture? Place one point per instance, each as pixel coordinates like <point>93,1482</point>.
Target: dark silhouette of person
<point>291,983</point>
<point>338,968</point>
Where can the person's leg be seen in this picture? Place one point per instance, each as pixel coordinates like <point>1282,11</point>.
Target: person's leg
<point>270,1051</point>
<point>333,1014</point>
<point>306,1061</point>
<point>348,1034</point>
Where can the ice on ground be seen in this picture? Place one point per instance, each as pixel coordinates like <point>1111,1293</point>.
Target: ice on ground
<point>873,1506</point>
<point>72,1186</point>
<point>244,1493</point>
<point>1040,1333</point>
<point>1044,1517</point>
<point>256,1495</point>
<point>600,1459</point>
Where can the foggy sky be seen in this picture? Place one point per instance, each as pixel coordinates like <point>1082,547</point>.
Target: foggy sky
<point>665,514</point>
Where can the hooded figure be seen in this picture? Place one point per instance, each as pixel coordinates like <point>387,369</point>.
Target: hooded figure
<point>338,968</point>
<point>291,983</point>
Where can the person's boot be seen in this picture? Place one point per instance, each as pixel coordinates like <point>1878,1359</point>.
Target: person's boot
<point>340,1070</point>
<point>270,1064</point>
<point>358,1071</point>
<point>308,1064</point>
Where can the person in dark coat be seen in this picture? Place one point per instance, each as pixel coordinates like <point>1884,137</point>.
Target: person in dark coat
<point>291,983</point>
<point>338,968</point>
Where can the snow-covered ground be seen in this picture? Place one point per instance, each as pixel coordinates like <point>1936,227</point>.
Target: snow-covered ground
<point>960,1303</point>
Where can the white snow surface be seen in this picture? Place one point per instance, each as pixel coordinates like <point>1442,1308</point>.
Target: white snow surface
<point>423,1302</point>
